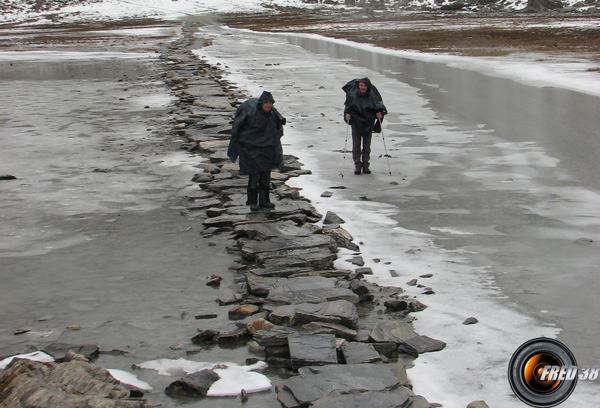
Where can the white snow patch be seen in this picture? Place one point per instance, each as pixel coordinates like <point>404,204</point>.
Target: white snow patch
<point>125,377</point>
<point>233,377</point>
<point>35,356</point>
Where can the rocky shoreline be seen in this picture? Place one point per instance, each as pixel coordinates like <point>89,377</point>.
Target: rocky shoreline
<point>338,340</point>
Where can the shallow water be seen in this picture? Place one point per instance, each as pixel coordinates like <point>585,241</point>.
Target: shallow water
<point>492,186</point>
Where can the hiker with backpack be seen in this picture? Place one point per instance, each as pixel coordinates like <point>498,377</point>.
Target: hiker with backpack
<point>256,139</point>
<point>363,111</point>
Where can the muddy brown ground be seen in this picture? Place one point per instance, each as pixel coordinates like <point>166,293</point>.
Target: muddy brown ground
<point>477,34</point>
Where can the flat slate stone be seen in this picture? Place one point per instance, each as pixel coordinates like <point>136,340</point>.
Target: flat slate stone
<point>288,207</point>
<point>59,350</point>
<point>391,331</point>
<point>259,285</point>
<point>275,337</point>
<point>223,221</point>
<point>211,112</point>
<point>421,344</point>
<point>314,383</point>
<point>221,185</point>
<point>338,311</point>
<point>286,398</point>
<point>399,397</point>
<point>312,349</point>
<point>284,243</point>
<point>263,231</point>
<point>340,331</point>
<point>197,194</point>
<point>279,272</point>
<point>356,353</point>
<point>213,145</point>
<point>221,103</point>
<point>309,289</point>
<point>218,157</point>
<point>193,385</point>
<point>317,258</point>
<point>203,204</point>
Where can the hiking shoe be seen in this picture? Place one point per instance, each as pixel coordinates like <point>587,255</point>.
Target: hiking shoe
<point>267,205</point>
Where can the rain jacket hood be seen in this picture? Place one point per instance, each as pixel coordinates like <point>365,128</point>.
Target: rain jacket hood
<point>256,136</point>
<point>266,97</point>
<point>363,107</point>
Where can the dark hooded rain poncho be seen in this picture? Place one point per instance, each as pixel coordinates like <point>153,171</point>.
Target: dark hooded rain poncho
<point>256,136</point>
<point>363,108</point>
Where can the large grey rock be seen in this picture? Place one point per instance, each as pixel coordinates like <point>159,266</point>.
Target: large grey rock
<point>223,221</point>
<point>391,331</point>
<point>26,383</point>
<point>281,245</point>
<point>213,145</point>
<point>332,218</point>
<point>218,103</point>
<point>420,344</point>
<point>220,157</point>
<point>279,272</point>
<point>286,398</point>
<point>59,350</point>
<point>259,285</point>
<point>343,239</point>
<point>418,401</point>
<point>275,337</point>
<point>309,289</point>
<point>338,311</point>
<point>235,335</point>
<point>289,207</point>
<point>263,231</point>
<point>204,336</point>
<point>203,204</point>
<point>193,385</point>
<point>356,353</point>
<point>222,185</point>
<point>399,397</point>
<point>312,349</point>
<point>340,331</point>
<point>314,383</point>
<point>315,258</point>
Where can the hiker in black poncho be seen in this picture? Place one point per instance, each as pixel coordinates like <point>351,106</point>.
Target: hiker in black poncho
<point>256,140</point>
<point>364,111</point>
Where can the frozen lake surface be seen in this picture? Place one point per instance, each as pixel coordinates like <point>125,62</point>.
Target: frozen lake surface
<point>493,190</point>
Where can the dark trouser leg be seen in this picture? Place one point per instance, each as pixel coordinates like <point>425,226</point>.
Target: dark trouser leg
<point>264,188</point>
<point>252,191</point>
<point>366,152</point>
<point>356,151</point>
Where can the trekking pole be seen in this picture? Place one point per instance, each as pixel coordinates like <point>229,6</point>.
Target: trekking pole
<point>345,146</point>
<point>385,149</point>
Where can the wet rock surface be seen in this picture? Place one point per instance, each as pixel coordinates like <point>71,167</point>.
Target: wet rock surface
<point>288,304</point>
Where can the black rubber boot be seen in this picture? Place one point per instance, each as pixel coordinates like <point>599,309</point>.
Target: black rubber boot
<point>263,198</point>
<point>252,199</point>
